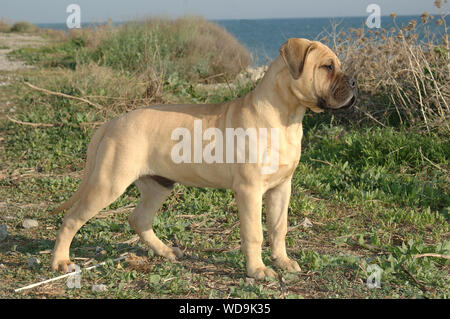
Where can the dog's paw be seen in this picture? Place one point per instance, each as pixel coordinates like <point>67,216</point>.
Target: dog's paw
<point>172,253</point>
<point>287,264</point>
<point>261,273</point>
<point>177,252</point>
<point>61,265</point>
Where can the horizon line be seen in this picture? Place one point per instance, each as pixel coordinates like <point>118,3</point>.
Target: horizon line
<point>234,19</point>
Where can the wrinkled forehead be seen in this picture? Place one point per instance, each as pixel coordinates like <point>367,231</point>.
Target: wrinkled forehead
<point>324,54</point>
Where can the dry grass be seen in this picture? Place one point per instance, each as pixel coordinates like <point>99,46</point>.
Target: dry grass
<point>121,93</point>
<point>402,79</point>
<point>189,48</point>
<point>123,67</point>
<point>23,27</point>
<point>93,35</point>
<point>403,76</point>
<point>226,54</point>
<point>5,25</point>
<point>114,92</point>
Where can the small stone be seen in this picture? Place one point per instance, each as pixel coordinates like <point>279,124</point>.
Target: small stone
<point>33,261</point>
<point>99,288</point>
<point>3,232</point>
<point>30,223</point>
<point>99,251</point>
<point>306,223</point>
<point>249,281</point>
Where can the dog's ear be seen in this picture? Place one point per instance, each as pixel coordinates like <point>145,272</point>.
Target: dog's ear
<point>294,53</point>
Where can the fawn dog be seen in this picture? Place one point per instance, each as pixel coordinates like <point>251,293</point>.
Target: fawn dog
<point>138,147</point>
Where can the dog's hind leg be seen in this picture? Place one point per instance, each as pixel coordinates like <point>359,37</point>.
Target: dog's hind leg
<point>109,179</point>
<point>154,191</point>
<point>88,169</point>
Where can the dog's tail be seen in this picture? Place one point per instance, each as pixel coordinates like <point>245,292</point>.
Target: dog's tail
<point>89,167</point>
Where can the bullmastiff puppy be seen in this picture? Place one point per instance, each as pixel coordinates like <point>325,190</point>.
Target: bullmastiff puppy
<point>143,147</point>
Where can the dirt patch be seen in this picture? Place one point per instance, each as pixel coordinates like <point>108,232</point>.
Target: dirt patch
<point>8,43</point>
<point>12,41</point>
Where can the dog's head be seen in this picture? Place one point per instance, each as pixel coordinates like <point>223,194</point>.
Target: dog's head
<point>317,79</point>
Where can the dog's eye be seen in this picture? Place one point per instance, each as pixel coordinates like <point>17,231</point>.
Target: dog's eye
<point>328,67</point>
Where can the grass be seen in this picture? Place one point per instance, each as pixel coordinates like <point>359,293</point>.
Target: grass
<point>23,27</point>
<point>375,194</point>
<point>191,48</point>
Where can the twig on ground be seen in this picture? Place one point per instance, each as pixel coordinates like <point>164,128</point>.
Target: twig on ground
<point>429,161</point>
<point>432,255</point>
<point>132,240</point>
<point>89,261</point>
<point>212,77</point>
<point>217,250</point>
<point>104,214</point>
<point>375,249</point>
<point>321,161</point>
<point>418,283</point>
<point>32,124</point>
<point>64,95</point>
<point>123,256</point>
<point>283,286</point>
<point>369,116</point>
<point>49,124</point>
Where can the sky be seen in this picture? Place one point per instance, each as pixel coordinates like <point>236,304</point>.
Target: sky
<point>54,11</point>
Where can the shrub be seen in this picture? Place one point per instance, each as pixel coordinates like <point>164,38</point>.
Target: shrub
<point>4,25</point>
<point>191,47</point>
<point>24,27</point>
<point>402,79</point>
<point>116,91</point>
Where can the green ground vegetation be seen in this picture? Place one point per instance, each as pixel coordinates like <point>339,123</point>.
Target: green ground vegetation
<point>376,192</point>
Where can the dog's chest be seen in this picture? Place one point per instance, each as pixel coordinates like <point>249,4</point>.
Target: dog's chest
<point>292,144</point>
<point>289,154</point>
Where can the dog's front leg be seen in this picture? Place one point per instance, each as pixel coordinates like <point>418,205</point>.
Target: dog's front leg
<point>249,203</point>
<point>277,203</point>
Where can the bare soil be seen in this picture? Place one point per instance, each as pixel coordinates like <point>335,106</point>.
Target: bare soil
<point>12,41</point>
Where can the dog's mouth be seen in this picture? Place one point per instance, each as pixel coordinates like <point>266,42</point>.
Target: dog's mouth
<point>322,103</point>
<point>350,103</point>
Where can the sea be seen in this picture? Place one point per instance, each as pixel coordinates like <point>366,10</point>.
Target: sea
<point>263,37</point>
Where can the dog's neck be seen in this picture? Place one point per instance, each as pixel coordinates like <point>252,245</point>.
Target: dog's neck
<point>273,99</point>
